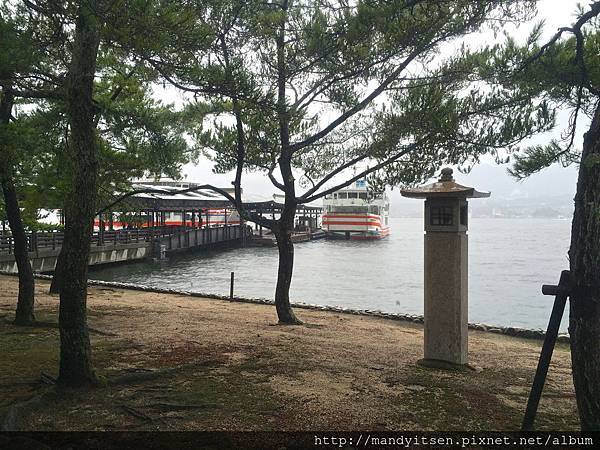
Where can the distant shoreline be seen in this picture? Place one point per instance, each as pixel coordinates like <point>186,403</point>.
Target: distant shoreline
<point>496,217</point>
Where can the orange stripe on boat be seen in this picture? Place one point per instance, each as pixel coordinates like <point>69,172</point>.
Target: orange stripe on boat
<point>350,216</point>
<point>373,224</point>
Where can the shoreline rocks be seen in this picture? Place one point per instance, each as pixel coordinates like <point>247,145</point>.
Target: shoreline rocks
<point>525,333</point>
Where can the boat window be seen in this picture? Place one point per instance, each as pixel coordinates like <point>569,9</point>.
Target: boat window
<point>328,196</point>
<point>342,195</point>
<point>352,194</point>
<point>349,209</point>
<point>362,195</point>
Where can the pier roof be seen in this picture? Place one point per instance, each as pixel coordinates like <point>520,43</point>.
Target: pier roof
<point>163,198</point>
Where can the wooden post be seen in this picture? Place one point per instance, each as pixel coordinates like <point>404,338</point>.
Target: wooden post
<point>231,286</point>
<point>207,228</point>
<point>100,230</point>
<point>157,229</point>
<point>561,293</point>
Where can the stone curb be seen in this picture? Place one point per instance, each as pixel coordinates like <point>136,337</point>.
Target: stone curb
<point>525,333</point>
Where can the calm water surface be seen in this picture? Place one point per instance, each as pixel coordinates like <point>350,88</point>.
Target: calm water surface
<point>509,260</point>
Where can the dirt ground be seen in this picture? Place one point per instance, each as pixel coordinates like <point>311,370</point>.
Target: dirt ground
<point>171,362</point>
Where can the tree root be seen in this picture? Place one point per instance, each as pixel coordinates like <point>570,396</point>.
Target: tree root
<point>136,413</point>
<point>140,377</point>
<point>102,333</point>
<point>14,414</point>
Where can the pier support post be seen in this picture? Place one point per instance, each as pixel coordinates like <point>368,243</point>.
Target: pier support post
<point>158,249</point>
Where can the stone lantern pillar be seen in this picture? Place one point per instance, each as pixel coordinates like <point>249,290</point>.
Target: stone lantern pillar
<point>446,269</point>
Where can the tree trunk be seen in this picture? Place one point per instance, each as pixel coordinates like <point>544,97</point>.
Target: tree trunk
<point>56,276</point>
<point>285,314</point>
<point>584,255</point>
<point>24,314</point>
<point>283,227</point>
<point>75,351</point>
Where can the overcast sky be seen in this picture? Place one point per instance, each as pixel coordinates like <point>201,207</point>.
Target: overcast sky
<point>556,13</point>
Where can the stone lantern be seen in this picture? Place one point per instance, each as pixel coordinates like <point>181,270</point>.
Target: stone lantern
<point>446,269</point>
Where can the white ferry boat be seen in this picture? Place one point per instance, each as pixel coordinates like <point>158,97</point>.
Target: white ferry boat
<point>356,213</point>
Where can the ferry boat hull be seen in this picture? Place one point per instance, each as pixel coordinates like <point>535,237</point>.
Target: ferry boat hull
<point>354,226</point>
<point>358,236</point>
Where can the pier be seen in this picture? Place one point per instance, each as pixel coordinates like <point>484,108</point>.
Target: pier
<point>152,225</point>
<point>118,246</point>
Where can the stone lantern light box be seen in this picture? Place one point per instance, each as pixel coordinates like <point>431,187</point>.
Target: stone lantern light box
<point>446,268</point>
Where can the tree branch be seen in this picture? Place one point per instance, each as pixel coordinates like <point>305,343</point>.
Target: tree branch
<point>368,99</point>
<point>332,174</point>
<point>42,94</point>
<point>575,29</point>
<point>363,174</point>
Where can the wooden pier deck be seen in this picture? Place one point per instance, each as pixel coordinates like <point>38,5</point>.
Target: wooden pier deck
<point>268,240</point>
<point>122,245</point>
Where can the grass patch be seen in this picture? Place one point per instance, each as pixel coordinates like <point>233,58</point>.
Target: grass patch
<point>218,366</point>
<point>455,401</point>
<point>38,347</point>
<point>193,398</point>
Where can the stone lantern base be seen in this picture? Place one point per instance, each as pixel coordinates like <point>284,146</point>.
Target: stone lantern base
<point>446,293</point>
<point>445,365</point>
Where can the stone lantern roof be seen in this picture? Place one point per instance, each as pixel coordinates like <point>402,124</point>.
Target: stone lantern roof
<point>444,187</point>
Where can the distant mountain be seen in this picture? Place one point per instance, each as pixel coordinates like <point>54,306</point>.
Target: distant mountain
<point>550,190</point>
